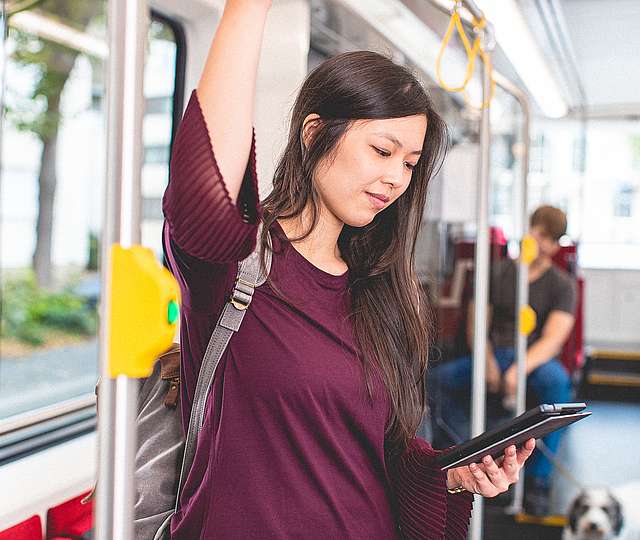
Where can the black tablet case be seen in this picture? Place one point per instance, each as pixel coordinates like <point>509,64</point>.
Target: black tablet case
<point>494,442</point>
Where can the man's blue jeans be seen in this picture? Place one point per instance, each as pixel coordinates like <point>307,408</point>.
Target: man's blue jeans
<point>449,387</point>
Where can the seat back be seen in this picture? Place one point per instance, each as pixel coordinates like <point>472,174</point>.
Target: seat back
<point>71,519</point>
<point>29,529</point>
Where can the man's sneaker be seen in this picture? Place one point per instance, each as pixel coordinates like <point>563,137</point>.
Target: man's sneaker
<point>536,496</point>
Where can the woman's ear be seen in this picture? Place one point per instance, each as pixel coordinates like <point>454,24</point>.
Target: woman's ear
<point>309,126</point>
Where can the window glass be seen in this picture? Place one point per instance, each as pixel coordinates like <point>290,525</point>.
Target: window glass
<point>51,192</point>
<point>598,183</point>
<point>159,90</point>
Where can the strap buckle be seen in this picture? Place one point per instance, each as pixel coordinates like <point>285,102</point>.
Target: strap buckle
<point>236,300</point>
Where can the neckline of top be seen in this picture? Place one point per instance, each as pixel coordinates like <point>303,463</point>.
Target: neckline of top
<point>323,276</point>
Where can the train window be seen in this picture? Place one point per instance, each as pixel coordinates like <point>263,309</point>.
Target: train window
<point>623,201</point>
<point>537,163</point>
<point>52,182</point>
<point>163,101</point>
<point>592,170</point>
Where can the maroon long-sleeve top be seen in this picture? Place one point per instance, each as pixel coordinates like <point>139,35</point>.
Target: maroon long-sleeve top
<point>291,447</point>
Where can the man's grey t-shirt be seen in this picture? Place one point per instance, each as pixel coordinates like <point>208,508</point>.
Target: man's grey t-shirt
<point>553,290</point>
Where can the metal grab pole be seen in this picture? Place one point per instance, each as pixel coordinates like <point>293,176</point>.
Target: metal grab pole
<point>478,404</point>
<point>522,298</point>
<point>128,27</point>
<point>478,388</point>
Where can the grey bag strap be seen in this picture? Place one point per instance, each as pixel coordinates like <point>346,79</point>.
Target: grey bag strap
<point>248,278</point>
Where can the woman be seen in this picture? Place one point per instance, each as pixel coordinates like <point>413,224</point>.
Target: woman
<point>310,428</point>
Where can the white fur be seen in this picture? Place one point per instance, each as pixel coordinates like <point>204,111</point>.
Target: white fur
<point>595,501</point>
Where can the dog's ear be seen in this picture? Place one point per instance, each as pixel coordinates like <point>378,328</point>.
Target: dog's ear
<point>617,517</point>
<point>573,512</point>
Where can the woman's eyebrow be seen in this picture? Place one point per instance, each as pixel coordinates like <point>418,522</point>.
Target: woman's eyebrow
<point>395,141</point>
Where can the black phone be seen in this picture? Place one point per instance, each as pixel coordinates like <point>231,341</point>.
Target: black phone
<point>534,423</point>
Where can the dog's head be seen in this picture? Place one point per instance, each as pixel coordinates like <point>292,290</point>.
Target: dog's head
<point>595,514</point>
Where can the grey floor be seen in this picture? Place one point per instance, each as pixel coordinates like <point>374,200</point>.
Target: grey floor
<point>602,450</point>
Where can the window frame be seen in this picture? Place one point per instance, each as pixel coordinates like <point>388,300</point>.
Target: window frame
<point>30,432</point>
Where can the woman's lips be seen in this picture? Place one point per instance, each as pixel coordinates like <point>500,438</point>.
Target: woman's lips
<point>377,203</point>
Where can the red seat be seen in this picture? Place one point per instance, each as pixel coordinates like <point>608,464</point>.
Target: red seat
<point>70,519</point>
<point>29,529</point>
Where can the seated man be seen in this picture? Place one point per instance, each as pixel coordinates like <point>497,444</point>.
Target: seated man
<point>552,295</point>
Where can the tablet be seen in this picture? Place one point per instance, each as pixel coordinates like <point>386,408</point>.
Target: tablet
<point>534,423</point>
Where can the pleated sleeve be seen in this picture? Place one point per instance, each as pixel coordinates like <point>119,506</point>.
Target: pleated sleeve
<point>425,509</point>
<point>202,219</point>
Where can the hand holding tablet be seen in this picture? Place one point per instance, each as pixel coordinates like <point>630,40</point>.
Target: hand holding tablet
<point>490,478</point>
<point>471,466</point>
<point>534,423</point>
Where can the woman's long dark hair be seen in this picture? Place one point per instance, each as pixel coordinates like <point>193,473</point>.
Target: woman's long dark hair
<point>390,313</point>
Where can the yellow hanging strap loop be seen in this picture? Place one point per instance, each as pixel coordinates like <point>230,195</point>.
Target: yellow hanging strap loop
<point>492,88</point>
<point>472,52</point>
<point>456,24</point>
<point>478,25</point>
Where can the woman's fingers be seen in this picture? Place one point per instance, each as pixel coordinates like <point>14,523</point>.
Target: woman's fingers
<point>525,451</point>
<point>491,477</point>
<point>484,486</point>
<point>509,464</point>
<point>496,474</point>
<point>521,454</point>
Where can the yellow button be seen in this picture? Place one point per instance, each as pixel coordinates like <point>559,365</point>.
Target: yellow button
<point>528,320</point>
<point>529,249</point>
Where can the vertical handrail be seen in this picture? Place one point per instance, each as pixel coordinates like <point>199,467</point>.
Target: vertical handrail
<point>522,295</point>
<point>4,28</point>
<point>478,414</point>
<point>481,278</point>
<point>481,290</point>
<point>127,28</point>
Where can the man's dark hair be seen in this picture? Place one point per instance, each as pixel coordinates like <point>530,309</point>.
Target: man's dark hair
<point>552,220</point>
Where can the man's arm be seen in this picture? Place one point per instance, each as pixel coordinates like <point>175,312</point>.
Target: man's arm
<point>555,332</point>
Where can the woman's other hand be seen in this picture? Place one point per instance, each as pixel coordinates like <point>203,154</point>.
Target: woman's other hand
<point>491,477</point>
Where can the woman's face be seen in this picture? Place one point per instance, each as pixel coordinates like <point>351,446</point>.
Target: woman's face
<point>374,157</point>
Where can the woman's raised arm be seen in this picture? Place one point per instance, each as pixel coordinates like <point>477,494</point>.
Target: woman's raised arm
<point>227,86</point>
<point>212,204</point>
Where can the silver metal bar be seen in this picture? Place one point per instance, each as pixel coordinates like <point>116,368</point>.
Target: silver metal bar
<point>128,27</point>
<point>482,259</point>
<point>478,387</point>
<point>522,295</point>
<point>30,418</point>
<point>473,8</point>
<point>124,456</point>
<point>3,69</point>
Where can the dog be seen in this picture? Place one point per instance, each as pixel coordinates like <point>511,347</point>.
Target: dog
<point>605,514</point>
